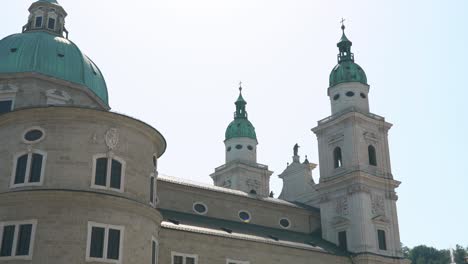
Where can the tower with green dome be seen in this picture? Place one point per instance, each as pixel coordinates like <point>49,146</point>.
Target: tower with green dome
<point>348,86</point>
<point>241,171</point>
<point>43,52</point>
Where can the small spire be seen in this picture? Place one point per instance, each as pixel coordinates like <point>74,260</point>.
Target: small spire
<point>240,105</point>
<point>344,46</point>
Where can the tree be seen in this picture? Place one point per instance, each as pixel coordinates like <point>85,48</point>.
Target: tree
<point>460,253</point>
<point>429,255</point>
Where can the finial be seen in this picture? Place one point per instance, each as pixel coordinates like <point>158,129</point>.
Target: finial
<point>342,24</point>
<point>240,87</point>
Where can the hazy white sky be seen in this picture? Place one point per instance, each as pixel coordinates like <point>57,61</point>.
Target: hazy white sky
<point>176,65</point>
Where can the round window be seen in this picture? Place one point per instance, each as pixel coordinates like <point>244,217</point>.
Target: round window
<point>350,94</point>
<point>33,135</point>
<point>228,149</point>
<point>284,223</point>
<point>238,146</point>
<point>336,97</point>
<point>244,216</point>
<point>249,147</point>
<point>200,208</point>
<point>363,96</point>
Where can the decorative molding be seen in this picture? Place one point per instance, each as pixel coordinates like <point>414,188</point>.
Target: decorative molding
<point>112,138</point>
<point>371,136</point>
<point>324,198</point>
<point>378,206</point>
<point>8,88</point>
<point>339,221</point>
<point>335,138</point>
<point>391,195</point>
<point>342,207</point>
<point>357,188</point>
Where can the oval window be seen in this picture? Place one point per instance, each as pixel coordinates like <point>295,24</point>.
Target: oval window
<point>350,94</point>
<point>284,223</point>
<point>244,216</point>
<point>200,208</point>
<point>238,146</point>
<point>336,97</point>
<point>363,96</point>
<point>228,149</point>
<point>33,135</point>
<point>249,147</point>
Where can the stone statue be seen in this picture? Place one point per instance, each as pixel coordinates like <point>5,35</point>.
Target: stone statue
<point>296,149</point>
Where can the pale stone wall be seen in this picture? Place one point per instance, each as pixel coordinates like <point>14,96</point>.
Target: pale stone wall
<point>226,206</point>
<point>65,201</point>
<point>62,223</point>
<point>241,154</point>
<point>215,250</point>
<point>344,101</point>
<point>32,91</point>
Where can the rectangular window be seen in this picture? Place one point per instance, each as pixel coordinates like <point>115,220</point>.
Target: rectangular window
<point>104,243</point>
<point>342,240</point>
<point>16,239</point>
<point>180,258</point>
<point>152,186</point>
<point>51,24</point>
<point>29,169</point>
<point>154,251</point>
<point>108,173</point>
<point>6,106</point>
<point>38,22</point>
<point>382,240</point>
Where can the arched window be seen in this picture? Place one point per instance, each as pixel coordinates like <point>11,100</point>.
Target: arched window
<point>38,23</point>
<point>372,155</point>
<point>338,160</point>
<point>108,172</point>
<point>154,251</point>
<point>29,169</point>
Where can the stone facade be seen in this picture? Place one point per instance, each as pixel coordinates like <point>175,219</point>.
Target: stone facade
<point>80,184</point>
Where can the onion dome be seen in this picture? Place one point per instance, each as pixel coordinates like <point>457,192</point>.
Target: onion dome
<point>241,126</point>
<point>42,48</point>
<point>346,70</point>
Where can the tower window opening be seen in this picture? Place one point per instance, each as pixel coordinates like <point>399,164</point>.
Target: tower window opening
<point>372,155</point>
<point>249,147</point>
<point>337,157</point>
<point>342,240</point>
<point>38,23</point>
<point>336,97</point>
<point>13,50</point>
<point>363,96</point>
<point>238,146</point>
<point>350,94</point>
<point>51,24</point>
<point>29,169</point>
<point>6,106</point>
<point>382,240</point>
<point>109,173</point>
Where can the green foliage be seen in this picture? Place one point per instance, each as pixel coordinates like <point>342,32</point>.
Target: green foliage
<point>428,255</point>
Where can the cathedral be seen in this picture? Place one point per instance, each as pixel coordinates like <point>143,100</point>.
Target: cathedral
<point>79,183</point>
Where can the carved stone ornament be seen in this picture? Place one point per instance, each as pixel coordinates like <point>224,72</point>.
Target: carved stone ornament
<point>356,188</point>
<point>378,206</point>
<point>253,184</point>
<point>392,195</point>
<point>112,138</point>
<point>342,206</point>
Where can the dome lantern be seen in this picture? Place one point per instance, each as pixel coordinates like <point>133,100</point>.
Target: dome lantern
<point>46,15</point>
<point>346,70</point>
<point>241,126</point>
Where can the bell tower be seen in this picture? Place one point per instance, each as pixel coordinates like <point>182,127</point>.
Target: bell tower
<point>356,189</point>
<point>241,170</point>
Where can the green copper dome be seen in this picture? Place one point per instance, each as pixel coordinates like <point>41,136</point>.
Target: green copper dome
<point>51,55</point>
<point>346,70</point>
<point>241,126</point>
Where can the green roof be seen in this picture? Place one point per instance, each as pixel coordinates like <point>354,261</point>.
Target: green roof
<point>346,70</point>
<point>51,55</point>
<point>275,234</point>
<point>49,1</point>
<point>241,126</point>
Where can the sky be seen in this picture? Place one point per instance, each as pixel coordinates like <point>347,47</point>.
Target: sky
<point>177,64</point>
